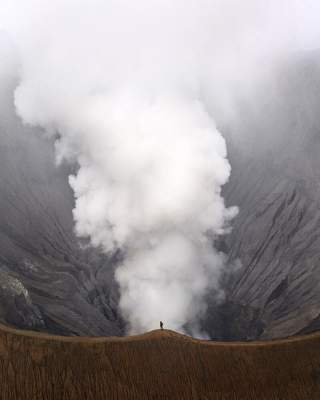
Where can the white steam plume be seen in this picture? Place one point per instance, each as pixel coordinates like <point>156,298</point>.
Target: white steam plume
<point>124,85</point>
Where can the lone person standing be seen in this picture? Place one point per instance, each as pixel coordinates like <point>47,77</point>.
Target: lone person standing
<point>161,325</point>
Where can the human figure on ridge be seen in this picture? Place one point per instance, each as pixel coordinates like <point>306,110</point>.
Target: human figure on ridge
<point>161,325</point>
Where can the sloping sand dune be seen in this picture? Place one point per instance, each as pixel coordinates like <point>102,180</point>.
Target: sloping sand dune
<point>157,365</point>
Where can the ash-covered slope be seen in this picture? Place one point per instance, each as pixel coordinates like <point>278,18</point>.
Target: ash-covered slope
<point>274,151</point>
<point>156,365</point>
<point>47,281</point>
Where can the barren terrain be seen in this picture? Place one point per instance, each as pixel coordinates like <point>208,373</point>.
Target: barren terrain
<point>156,365</point>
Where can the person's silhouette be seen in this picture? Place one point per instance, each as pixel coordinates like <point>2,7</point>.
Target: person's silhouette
<point>161,325</point>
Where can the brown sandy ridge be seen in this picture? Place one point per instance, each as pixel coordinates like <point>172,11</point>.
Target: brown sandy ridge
<point>156,365</point>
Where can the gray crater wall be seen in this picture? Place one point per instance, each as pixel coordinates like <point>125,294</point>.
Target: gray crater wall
<point>274,151</point>
<point>51,282</point>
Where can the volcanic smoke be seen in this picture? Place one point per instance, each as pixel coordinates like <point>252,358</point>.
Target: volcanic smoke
<point>127,89</point>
